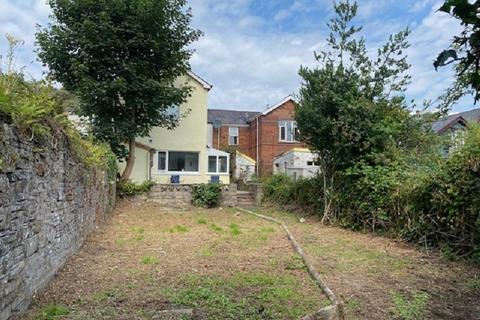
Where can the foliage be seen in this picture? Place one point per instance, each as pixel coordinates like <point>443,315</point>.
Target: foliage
<point>447,204</point>
<point>410,310</point>
<point>37,110</point>
<point>121,58</point>
<point>130,189</point>
<point>207,195</point>
<point>464,50</point>
<point>278,189</point>
<point>352,106</point>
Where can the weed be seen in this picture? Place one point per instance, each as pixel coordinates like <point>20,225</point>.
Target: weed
<point>202,221</point>
<point>216,228</point>
<point>474,284</point>
<point>410,309</point>
<point>267,230</point>
<point>206,252</point>
<point>235,229</point>
<point>53,311</point>
<point>295,263</point>
<point>149,260</point>
<point>179,228</point>
<point>352,304</point>
<point>120,242</point>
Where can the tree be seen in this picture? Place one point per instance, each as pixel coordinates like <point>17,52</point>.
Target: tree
<point>121,58</point>
<point>351,107</point>
<point>464,52</point>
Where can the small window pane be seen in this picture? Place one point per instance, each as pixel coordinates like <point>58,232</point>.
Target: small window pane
<point>282,133</point>
<point>212,164</point>
<point>183,161</point>
<point>223,164</point>
<point>173,111</point>
<point>232,135</point>
<point>162,161</point>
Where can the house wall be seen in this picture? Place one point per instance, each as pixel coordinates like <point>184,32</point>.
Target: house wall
<point>243,138</point>
<point>295,164</point>
<point>190,136</point>
<point>269,140</point>
<point>140,169</point>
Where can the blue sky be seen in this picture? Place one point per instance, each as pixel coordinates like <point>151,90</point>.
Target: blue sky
<point>251,50</point>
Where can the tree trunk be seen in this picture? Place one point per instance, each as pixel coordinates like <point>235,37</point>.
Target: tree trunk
<point>130,161</point>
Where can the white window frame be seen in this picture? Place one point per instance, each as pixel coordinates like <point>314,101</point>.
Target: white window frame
<point>167,155</point>
<point>217,162</point>
<point>235,134</point>
<point>286,124</point>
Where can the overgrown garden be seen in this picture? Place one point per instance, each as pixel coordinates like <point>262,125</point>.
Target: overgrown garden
<point>380,164</point>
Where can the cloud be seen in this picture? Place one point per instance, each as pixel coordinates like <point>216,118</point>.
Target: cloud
<point>252,49</point>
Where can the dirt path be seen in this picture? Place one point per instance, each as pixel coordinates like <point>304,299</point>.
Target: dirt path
<point>370,273</point>
<point>220,263</point>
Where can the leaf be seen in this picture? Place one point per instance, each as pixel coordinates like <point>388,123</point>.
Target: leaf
<point>444,57</point>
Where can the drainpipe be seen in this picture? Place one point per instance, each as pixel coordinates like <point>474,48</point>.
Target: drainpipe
<point>257,148</point>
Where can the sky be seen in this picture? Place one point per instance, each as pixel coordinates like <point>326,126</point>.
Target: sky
<point>251,50</point>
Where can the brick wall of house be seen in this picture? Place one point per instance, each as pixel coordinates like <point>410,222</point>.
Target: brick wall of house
<point>269,140</point>
<point>243,139</point>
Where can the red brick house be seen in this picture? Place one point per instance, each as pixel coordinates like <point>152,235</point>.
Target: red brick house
<point>262,136</point>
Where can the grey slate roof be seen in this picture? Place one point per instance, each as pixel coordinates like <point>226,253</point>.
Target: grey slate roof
<point>469,116</point>
<point>231,116</point>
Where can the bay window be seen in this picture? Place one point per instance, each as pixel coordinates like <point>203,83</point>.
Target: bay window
<point>178,161</point>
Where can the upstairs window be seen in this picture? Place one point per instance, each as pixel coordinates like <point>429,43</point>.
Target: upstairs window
<point>288,131</point>
<point>233,136</point>
<point>172,112</point>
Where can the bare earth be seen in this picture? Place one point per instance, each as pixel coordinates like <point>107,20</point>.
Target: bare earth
<point>223,264</point>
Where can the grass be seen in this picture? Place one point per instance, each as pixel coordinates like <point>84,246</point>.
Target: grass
<point>206,252</point>
<point>149,260</point>
<point>179,228</point>
<point>243,296</point>
<point>410,309</point>
<point>216,228</point>
<point>53,312</point>
<point>202,221</point>
<point>235,229</point>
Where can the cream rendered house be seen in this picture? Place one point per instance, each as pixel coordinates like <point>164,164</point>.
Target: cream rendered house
<point>182,155</point>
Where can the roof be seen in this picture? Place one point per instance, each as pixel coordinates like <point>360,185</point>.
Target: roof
<point>231,116</point>
<point>204,83</point>
<point>468,116</point>
<point>240,154</point>
<point>281,103</point>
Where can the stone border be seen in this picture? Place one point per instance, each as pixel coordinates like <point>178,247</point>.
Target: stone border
<point>333,312</point>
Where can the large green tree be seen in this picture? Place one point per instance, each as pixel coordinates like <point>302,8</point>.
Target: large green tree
<point>351,106</point>
<point>121,57</point>
<point>464,52</point>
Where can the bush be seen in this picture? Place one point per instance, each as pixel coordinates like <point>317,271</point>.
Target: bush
<point>130,189</point>
<point>448,205</point>
<point>278,189</point>
<point>207,195</point>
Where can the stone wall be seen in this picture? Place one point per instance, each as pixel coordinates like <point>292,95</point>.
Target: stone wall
<point>180,196</point>
<point>49,203</point>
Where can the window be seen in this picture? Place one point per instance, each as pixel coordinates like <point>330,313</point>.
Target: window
<point>233,136</point>
<point>173,111</point>
<point>162,161</point>
<point>288,131</point>
<point>312,163</point>
<point>173,161</point>
<point>217,164</point>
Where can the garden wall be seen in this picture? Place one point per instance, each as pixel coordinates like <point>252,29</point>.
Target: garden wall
<point>49,202</point>
<point>180,196</point>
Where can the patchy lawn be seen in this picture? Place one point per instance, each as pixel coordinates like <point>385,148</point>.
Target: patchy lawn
<point>381,278</point>
<point>227,265</point>
<point>222,264</point>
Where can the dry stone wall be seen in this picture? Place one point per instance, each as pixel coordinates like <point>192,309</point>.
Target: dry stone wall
<point>49,203</point>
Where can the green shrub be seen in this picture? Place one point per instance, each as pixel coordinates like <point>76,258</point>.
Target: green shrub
<point>207,195</point>
<point>130,189</point>
<point>278,189</point>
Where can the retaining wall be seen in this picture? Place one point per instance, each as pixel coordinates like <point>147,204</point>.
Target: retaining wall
<point>49,203</point>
